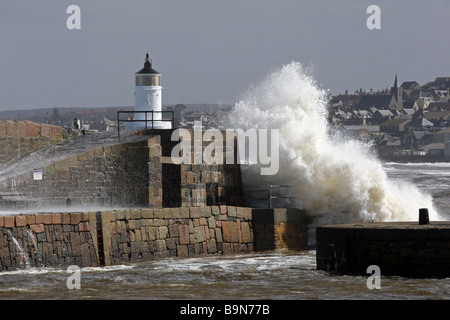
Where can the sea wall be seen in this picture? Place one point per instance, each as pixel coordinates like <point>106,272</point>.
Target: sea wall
<point>119,236</point>
<point>280,229</point>
<point>18,138</point>
<point>133,235</point>
<point>133,174</point>
<point>405,249</point>
<point>112,237</point>
<point>108,176</point>
<point>48,239</point>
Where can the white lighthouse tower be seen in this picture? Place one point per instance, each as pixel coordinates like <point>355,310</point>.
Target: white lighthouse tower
<point>148,97</point>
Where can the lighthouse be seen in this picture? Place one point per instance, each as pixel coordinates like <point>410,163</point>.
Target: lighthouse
<point>148,97</point>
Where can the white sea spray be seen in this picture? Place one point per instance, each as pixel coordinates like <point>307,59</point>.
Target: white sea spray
<point>336,177</point>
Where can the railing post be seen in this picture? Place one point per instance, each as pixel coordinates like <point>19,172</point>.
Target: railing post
<point>146,120</point>
<point>270,196</point>
<point>173,120</point>
<point>118,124</point>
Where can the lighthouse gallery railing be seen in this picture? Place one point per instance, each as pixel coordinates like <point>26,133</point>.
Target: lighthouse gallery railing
<point>146,119</point>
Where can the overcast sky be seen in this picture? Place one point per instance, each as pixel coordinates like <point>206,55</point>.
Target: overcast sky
<point>210,51</point>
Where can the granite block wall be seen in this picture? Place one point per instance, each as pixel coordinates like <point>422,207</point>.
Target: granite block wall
<point>143,234</point>
<point>47,239</point>
<point>18,138</point>
<point>135,174</point>
<point>114,175</point>
<point>120,236</point>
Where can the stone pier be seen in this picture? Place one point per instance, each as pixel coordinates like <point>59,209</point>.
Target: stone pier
<point>404,248</point>
<point>113,237</point>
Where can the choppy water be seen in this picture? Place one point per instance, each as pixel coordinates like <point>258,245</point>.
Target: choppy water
<point>269,275</point>
<point>433,178</point>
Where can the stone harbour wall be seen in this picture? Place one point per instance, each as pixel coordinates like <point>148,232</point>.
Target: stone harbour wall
<point>133,174</point>
<point>119,236</point>
<point>114,175</point>
<point>134,235</point>
<point>18,138</point>
<point>47,239</point>
<point>102,238</point>
<point>282,229</point>
<point>404,249</point>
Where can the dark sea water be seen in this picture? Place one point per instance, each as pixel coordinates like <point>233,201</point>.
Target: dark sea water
<point>263,275</point>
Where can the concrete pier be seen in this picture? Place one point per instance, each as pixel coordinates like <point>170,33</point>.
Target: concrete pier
<point>406,249</point>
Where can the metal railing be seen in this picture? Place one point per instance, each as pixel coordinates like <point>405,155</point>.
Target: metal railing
<point>146,120</point>
<point>268,194</point>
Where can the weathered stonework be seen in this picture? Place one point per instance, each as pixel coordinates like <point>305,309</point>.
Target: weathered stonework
<point>134,174</point>
<point>43,240</point>
<point>118,236</point>
<point>18,138</point>
<point>143,234</point>
<point>129,235</point>
<point>280,229</point>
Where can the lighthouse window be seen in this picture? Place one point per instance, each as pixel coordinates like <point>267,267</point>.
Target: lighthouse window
<point>148,81</point>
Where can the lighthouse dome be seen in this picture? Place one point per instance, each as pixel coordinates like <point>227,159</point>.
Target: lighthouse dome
<point>147,69</point>
<point>148,76</point>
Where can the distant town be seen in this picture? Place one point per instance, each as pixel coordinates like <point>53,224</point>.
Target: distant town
<point>406,122</point>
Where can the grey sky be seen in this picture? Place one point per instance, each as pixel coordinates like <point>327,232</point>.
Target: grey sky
<point>210,51</point>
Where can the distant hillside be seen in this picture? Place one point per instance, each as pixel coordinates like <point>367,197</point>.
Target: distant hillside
<point>31,113</point>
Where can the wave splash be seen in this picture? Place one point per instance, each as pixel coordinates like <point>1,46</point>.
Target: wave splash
<point>337,178</point>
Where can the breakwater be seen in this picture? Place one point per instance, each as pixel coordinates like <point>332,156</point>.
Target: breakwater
<point>398,248</point>
<point>137,173</point>
<point>18,138</point>
<point>118,236</point>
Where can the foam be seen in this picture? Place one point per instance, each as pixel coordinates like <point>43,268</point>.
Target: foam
<point>339,178</point>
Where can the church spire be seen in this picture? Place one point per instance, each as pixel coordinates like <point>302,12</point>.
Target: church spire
<point>397,92</point>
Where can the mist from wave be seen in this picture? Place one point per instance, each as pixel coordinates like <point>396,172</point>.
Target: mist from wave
<point>335,177</point>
